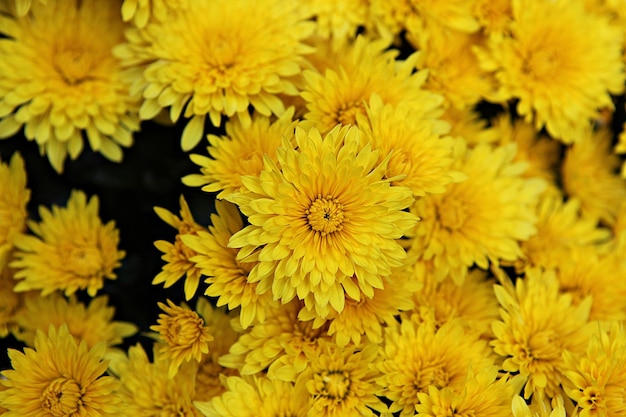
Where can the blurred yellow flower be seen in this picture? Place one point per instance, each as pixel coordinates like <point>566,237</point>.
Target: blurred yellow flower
<point>185,335</point>
<point>59,378</point>
<point>204,59</point>
<point>178,255</point>
<point>323,221</point>
<point>62,82</point>
<point>14,197</point>
<point>71,249</point>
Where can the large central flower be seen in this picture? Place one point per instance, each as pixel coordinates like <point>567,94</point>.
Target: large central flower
<point>324,225</point>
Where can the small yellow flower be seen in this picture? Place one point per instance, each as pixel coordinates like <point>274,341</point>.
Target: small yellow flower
<point>71,250</point>
<point>184,333</point>
<point>59,378</point>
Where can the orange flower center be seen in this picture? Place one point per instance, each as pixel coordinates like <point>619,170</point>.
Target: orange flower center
<point>62,397</point>
<point>332,384</point>
<point>325,215</point>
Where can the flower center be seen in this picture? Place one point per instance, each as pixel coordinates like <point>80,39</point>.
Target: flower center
<point>452,214</point>
<point>347,114</point>
<point>325,215</point>
<point>86,262</point>
<point>62,397</point>
<point>542,64</point>
<point>73,65</point>
<point>545,345</point>
<point>183,330</point>
<point>591,398</point>
<point>333,384</point>
<point>399,164</point>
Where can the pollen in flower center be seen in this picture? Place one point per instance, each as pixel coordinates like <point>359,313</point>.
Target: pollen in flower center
<point>325,215</point>
<point>62,397</point>
<point>73,64</point>
<point>334,384</point>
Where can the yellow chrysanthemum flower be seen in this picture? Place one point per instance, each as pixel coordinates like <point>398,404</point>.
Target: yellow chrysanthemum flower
<point>61,81</point>
<point>341,92</point>
<point>596,378</point>
<point>337,21</point>
<point>227,277</point>
<point>206,60</point>
<point>185,335</point>
<point>239,153</point>
<point>481,219</point>
<point>363,321</point>
<point>178,255</point>
<point>12,302</point>
<point>482,395</point>
<point>415,355</point>
<point>59,378</point>
<point>420,157</point>
<point>71,250</point>
<point>210,373</point>
<point>538,324</point>
<point>323,221</point>
<point>560,227</point>
<point>257,397</point>
<point>283,345</point>
<point>147,390</point>
<point>589,173</point>
<point>561,62</point>
<point>141,11</point>
<point>14,197</point>
<point>341,382</point>
<point>92,323</point>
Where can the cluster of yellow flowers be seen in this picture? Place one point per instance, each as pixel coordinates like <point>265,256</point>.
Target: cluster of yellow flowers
<point>378,248</point>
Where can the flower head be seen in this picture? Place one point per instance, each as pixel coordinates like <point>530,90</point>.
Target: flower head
<point>178,255</point>
<point>62,82</point>
<point>206,60</point>
<point>185,335</point>
<point>59,378</point>
<point>71,249</point>
<point>14,197</point>
<point>323,221</point>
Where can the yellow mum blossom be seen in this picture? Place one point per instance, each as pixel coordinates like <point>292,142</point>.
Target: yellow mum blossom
<point>589,173</point>
<point>59,378</point>
<point>206,60</point>
<point>283,344</point>
<point>61,81</point>
<point>227,277</point>
<point>14,197</point>
<point>341,382</point>
<point>238,153</point>
<point>147,390</point>
<point>561,62</point>
<point>420,157</point>
<point>340,93</point>
<point>323,221</point>
<point>595,379</point>
<point>185,335</point>
<point>337,20</point>
<point>141,11</point>
<point>92,323</point>
<point>415,356</point>
<point>480,220</point>
<point>71,249</point>
<point>257,397</point>
<point>538,324</point>
<point>178,255</point>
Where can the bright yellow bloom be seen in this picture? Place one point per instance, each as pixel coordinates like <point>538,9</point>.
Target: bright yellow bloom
<point>561,62</point>
<point>227,277</point>
<point>596,378</point>
<point>59,378</point>
<point>71,250</point>
<point>538,324</point>
<point>337,20</point>
<point>178,255</point>
<point>257,397</point>
<point>341,382</point>
<point>185,335</point>
<point>205,59</point>
<point>323,221</point>
<point>340,93</point>
<point>283,344</point>
<point>14,197</point>
<point>420,157</point>
<point>61,81</point>
<point>480,220</point>
<point>416,355</point>
<point>147,390</point>
<point>239,153</point>
<point>589,174</point>
<point>92,323</point>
